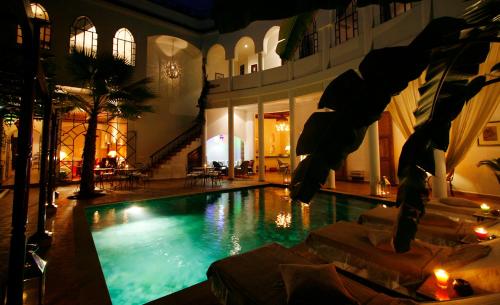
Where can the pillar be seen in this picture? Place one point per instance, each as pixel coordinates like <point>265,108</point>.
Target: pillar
<point>439,189</point>
<point>230,128</point>
<point>260,67</point>
<point>204,139</point>
<point>262,160</point>
<point>330,182</point>
<point>231,71</point>
<point>374,157</point>
<point>293,142</point>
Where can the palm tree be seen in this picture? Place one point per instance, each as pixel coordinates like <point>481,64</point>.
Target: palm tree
<point>108,80</point>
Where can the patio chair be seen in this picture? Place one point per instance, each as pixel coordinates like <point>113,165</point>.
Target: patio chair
<point>242,170</point>
<point>250,167</point>
<point>283,168</point>
<point>220,167</point>
<point>258,277</point>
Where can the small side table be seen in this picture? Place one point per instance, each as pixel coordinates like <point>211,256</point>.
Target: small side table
<point>481,216</point>
<point>430,289</point>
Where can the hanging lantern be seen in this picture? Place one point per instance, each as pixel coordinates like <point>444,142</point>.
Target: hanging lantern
<point>171,69</point>
<point>384,187</point>
<point>9,118</point>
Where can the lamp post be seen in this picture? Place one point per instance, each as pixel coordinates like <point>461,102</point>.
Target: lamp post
<point>17,254</point>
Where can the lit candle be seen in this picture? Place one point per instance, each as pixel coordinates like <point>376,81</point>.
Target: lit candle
<point>485,208</point>
<point>481,233</point>
<point>126,166</point>
<point>442,278</point>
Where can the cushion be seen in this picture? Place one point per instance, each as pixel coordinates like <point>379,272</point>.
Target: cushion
<point>459,202</point>
<point>381,240</point>
<point>314,284</point>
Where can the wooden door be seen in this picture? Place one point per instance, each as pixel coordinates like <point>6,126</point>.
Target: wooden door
<point>341,173</point>
<point>386,147</point>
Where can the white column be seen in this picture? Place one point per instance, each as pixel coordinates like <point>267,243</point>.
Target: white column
<point>231,71</point>
<point>330,182</point>
<point>262,174</point>
<point>439,189</point>
<point>374,157</point>
<point>293,142</point>
<point>260,67</point>
<point>204,139</point>
<point>230,128</point>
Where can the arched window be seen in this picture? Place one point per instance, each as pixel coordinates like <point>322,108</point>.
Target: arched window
<point>40,13</point>
<point>217,65</point>
<point>124,46</point>
<point>83,36</point>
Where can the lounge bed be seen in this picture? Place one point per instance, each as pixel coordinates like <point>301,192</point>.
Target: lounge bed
<point>255,278</point>
<point>436,228</point>
<point>360,248</point>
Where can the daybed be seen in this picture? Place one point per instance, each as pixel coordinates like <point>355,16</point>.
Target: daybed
<point>434,227</point>
<point>255,278</point>
<point>352,245</point>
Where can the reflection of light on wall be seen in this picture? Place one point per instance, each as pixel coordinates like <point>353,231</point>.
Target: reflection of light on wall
<point>62,155</point>
<point>283,220</point>
<point>97,217</point>
<point>235,241</point>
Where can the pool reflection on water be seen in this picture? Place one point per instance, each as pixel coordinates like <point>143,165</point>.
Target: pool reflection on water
<point>151,248</point>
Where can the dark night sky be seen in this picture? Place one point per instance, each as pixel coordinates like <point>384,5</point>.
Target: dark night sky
<point>195,8</point>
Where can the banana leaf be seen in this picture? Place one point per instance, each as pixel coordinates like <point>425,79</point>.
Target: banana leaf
<point>451,81</point>
<point>292,30</point>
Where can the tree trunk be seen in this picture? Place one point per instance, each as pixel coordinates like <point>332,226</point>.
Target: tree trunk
<point>2,139</point>
<point>87,181</point>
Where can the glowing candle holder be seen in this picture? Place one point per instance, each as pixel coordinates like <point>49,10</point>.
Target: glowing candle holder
<point>485,208</point>
<point>442,278</point>
<point>481,233</point>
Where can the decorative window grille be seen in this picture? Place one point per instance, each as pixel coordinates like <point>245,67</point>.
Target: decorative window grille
<point>124,46</point>
<point>83,36</point>
<point>309,43</point>
<point>346,23</point>
<point>389,10</point>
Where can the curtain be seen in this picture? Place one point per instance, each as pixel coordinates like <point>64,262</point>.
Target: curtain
<point>402,106</point>
<point>476,113</point>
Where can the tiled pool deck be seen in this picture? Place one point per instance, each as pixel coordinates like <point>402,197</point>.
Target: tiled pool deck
<point>73,272</point>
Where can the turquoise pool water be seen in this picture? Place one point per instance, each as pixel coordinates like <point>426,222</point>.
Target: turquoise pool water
<point>151,248</point>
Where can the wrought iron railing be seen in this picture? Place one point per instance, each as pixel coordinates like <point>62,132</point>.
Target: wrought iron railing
<point>174,146</point>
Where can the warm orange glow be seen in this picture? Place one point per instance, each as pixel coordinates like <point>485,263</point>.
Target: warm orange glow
<point>485,208</point>
<point>112,154</point>
<point>481,233</point>
<point>442,278</point>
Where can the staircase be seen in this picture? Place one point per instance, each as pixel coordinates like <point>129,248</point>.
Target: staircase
<point>170,161</point>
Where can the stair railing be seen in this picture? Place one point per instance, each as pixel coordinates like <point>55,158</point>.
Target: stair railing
<point>183,139</point>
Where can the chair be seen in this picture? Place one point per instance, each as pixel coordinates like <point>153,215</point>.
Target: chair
<point>242,170</point>
<point>250,167</point>
<point>220,167</point>
<point>283,168</point>
<point>255,278</point>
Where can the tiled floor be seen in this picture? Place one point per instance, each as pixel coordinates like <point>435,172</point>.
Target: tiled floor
<point>63,282</point>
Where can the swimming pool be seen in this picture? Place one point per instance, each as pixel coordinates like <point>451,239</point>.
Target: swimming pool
<point>149,249</point>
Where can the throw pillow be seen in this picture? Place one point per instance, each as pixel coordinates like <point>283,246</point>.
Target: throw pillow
<point>314,284</point>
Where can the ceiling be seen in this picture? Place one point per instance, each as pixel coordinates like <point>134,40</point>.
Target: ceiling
<point>194,8</point>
